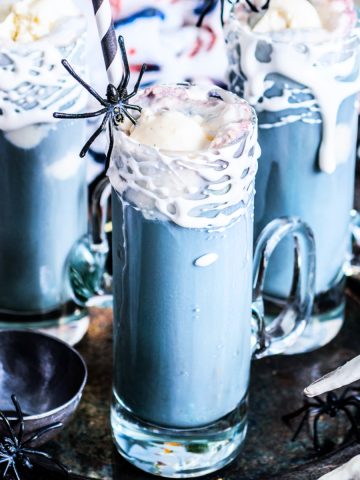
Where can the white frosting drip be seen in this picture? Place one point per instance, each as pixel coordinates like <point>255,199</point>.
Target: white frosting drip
<point>348,471</point>
<point>33,82</point>
<point>344,375</point>
<point>326,63</point>
<point>194,189</point>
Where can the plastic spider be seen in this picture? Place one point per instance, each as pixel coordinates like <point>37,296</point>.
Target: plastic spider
<point>210,4</point>
<point>331,406</point>
<point>14,453</point>
<point>115,105</point>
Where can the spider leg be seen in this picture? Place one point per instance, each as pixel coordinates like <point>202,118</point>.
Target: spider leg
<point>94,135</point>
<point>355,402</point>
<point>80,115</point>
<point>353,423</point>
<point>9,427</point>
<point>111,145</point>
<point>130,117</point>
<point>20,417</point>
<point>126,75</point>
<point>252,7</point>
<point>10,464</point>
<point>133,107</point>
<point>15,472</point>
<point>290,416</point>
<point>48,457</point>
<point>300,426</point>
<point>43,431</point>
<point>92,92</point>
<point>316,436</point>
<point>137,84</point>
<point>205,11</point>
<point>222,8</point>
<point>347,390</point>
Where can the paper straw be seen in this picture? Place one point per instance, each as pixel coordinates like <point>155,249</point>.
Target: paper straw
<point>109,43</point>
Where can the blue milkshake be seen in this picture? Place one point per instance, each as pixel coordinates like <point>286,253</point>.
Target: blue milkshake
<point>43,182</point>
<point>44,203</point>
<point>182,204</point>
<point>302,79</point>
<point>182,307</point>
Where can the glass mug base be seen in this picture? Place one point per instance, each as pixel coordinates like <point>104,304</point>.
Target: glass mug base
<point>68,324</point>
<point>325,323</point>
<point>178,453</point>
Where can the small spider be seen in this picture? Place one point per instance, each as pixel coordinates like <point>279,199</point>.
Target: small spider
<point>15,453</point>
<point>115,105</point>
<point>331,406</point>
<point>210,5</point>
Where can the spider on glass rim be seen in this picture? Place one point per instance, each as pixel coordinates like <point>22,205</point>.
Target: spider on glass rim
<point>210,4</point>
<point>115,105</point>
<point>331,406</point>
<point>15,453</point>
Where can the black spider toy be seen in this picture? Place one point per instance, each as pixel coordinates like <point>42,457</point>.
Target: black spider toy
<point>14,452</point>
<point>115,105</point>
<point>331,406</point>
<point>210,4</point>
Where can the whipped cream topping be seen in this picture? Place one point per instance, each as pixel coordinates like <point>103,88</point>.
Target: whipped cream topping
<point>35,35</point>
<point>337,16</point>
<point>196,177</point>
<point>284,14</point>
<point>324,61</point>
<point>29,20</point>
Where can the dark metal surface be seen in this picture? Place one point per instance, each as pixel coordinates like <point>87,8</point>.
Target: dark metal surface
<point>276,388</point>
<point>45,374</point>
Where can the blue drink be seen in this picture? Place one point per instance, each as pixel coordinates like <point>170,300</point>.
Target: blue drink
<point>182,329</point>
<point>182,263</point>
<point>44,213</point>
<point>308,141</point>
<point>183,274</point>
<point>43,188</point>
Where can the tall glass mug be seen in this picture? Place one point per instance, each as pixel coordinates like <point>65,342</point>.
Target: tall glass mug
<point>303,82</point>
<point>43,189</point>
<point>187,320</point>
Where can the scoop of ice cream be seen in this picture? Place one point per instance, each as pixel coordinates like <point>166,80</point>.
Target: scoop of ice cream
<point>288,14</point>
<point>28,20</point>
<point>170,130</point>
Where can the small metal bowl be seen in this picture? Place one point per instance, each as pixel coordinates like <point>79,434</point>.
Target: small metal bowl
<point>46,375</point>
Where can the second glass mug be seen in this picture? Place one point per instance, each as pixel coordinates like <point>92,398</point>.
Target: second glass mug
<point>274,72</point>
<point>184,334</point>
<point>43,188</point>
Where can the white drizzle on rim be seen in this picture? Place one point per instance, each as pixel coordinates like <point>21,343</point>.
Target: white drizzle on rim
<point>325,62</point>
<point>209,188</point>
<point>33,82</point>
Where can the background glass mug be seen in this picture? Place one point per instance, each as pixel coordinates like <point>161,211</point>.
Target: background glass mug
<point>303,85</point>
<point>182,284</point>
<point>43,188</point>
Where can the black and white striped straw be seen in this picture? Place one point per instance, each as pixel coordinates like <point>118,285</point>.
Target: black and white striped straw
<point>109,43</point>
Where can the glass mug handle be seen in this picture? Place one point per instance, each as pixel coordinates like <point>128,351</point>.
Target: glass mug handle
<point>87,261</point>
<point>288,326</point>
<point>352,266</point>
